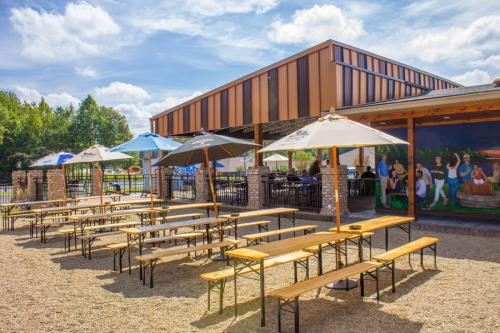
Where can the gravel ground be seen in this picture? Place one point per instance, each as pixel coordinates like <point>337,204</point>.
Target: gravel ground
<point>44,289</point>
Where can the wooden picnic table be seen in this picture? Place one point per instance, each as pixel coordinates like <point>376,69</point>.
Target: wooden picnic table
<point>253,255</point>
<point>138,234</point>
<point>263,212</point>
<point>201,205</point>
<point>85,220</point>
<point>386,222</point>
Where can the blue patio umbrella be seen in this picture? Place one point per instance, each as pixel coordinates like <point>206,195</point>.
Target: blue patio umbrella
<point>148,142</point>
<point>52,159</point>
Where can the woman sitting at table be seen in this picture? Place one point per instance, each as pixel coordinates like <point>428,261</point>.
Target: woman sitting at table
<point>394,183</point>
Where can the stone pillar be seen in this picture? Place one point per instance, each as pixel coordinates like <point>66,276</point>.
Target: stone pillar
<point>202,186</point>
<point>55,184</point>
<point>166,189</point>
<point>33,177</point>
<point>18,184</point>
<point>96,179</point>
<point>328,192</point>
<point>257,179</point>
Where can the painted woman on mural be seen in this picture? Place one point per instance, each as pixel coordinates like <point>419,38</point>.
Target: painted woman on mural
<point>439,175</point>
<point>453,177</point>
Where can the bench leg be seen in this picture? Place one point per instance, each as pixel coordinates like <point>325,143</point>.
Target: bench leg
<point>320,261</point>
<point>151,268</point>
<point>362,284</point>
<point>221,295</point>
<point>296,315</point>
<point>279,315</point>
<point>376,282</point>
<point>422,258</point>
<point>114,260</point>
<point>393,275</point>
<point>208,295</point>
<point>435,255</point>
<point>295,275</point>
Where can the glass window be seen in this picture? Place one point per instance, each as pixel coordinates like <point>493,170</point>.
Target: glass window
<point>401,73</point>
<point>371,88</point>
<point>362,61</point>
<point>382,67</point>
<point>390,88</point>
<point>347,86</point>
<point>339,54</point>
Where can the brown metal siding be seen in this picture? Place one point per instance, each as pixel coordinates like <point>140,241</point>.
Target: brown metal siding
<point>247,102</point>
<point>239,104</point>
<point>282,93</point>
<point>303,86</point>
<point>264,100</point>
<point>204,113</point>
<point>363,88</point>
<point>180,120</point>
<point>217,112</point>
<point>186,121</point>
<point>198,116</point>
<point>314,84</point>
<point>355,87</point>
<point>232,107</point>
<point>327,78</point>
<point>256,100</point>
<point>210,114</point>
<point>170,124</point>
<point>273,94</point>
<point>293,111</point>
<point>224,108</point>
<point>339,74</point>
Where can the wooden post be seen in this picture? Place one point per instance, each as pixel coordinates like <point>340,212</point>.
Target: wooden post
<point>290,161</point>
<point>336,188</point>
<point>319,155</point>
<point>258,138</point>
<point>205,151</point>
<point>151,188</point>
<point>410,124</point>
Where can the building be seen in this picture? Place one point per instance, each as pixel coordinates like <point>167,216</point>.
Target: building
<point>282,97</point>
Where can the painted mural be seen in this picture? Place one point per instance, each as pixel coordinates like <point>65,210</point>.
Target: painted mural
<point>458,169</point>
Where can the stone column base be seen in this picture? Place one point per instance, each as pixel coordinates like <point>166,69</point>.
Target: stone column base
<point>34,177</point>
<point>328,190</point>
<point>202,187</point>
<point>257,179</point>
<point>55,184</point>
<point>18,185</point>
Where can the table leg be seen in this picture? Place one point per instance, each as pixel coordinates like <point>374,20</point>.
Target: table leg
<point>279,225</point>
<point>386,238</point>
<point>235,264</point>
<point>262,296</point>
<point>360,248</point>
<point>139,239</point>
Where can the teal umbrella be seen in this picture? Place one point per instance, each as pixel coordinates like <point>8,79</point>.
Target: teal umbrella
<point>148,142</point>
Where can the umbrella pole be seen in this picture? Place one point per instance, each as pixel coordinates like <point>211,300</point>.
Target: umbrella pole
<point>336,188</point>
<point>100,179</point>
<point>151,187</point>
<point>205,151</point>
<point>64,180</point>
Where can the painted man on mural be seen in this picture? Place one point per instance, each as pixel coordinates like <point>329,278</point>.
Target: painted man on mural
<point>383,175</point>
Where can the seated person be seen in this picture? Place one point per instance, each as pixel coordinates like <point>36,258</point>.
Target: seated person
<point>394,184</point>
<point>306,178</point>
<point>420,188</point>
<point>368,173</point>
<point>478,175</point>
<point>496,173</point>
<point>115,186</point>
<point>400,170</point>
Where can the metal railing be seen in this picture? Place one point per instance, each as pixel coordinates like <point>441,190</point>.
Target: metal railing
<point>6,192</point>
<point>232,189</point>
<point>360,187</point>
<point>180,187</point>
<point>295,194</point>
<point>78,186</point>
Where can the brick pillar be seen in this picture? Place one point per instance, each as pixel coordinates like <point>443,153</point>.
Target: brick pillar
<point>18,184</point>
<point>166,190</point>
<point>328,192</point>
<point>96,178</point>
<point>202,186</point>
<point>257,179</point>
<point>33,176</point>
<point>55,184</point>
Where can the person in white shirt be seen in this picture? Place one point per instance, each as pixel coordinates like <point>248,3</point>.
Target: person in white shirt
<point>426,175</point>
<point>453,177</point>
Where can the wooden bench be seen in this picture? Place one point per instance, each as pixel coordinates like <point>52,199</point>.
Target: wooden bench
<point>366,236</point>
<point>47,222</point>
<point>151,259</point>
<point>119,248</point>
<point>288,297</point>
<point>389,258</point>
<point>254,239</point>
<point>259,224</point>
<point>218,279</point>
<point>180,216</point>
<point>89,238</point>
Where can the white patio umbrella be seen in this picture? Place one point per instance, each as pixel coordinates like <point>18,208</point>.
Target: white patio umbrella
<point>97,153</point>
<point>333,131</point>
<point>276,158</point>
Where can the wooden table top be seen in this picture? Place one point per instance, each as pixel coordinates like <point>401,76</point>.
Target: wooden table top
<point>45,202</point>
<point>273,249</point>
<point>174,225</point>
<point>106,215</point>
<point>261,212</point>
<point>191,206</point>
<point>134,202</point>
<point>374,224</point>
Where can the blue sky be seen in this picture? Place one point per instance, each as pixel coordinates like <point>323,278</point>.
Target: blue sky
<point>145,56</point>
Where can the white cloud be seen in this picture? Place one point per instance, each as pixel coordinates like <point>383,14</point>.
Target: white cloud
<point>491,61</point>
<point>473,77</point>
<point>53,99</point>
<point>120,92</point>
<point>316,24</point>
<point>469,43</point>
<point>138,114</point>
<point>221,7</point>
<point>82,30</point>
<point>86,71</point>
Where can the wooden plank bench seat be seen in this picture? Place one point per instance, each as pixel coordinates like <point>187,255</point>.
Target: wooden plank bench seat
<point>218,279</point>
<point>254,239</point>
<point>389,258</point>
<point>288,297</point>
<point>180,216</point>
<point>151,259</point>
<point>259,224</point>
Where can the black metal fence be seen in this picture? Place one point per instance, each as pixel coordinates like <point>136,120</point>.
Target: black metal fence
<point>6,192</point>
<point>232,188</point>
<point>360,187</point>
<point>180,186</point>
<point>80,185</point>
<point>295,194</point>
